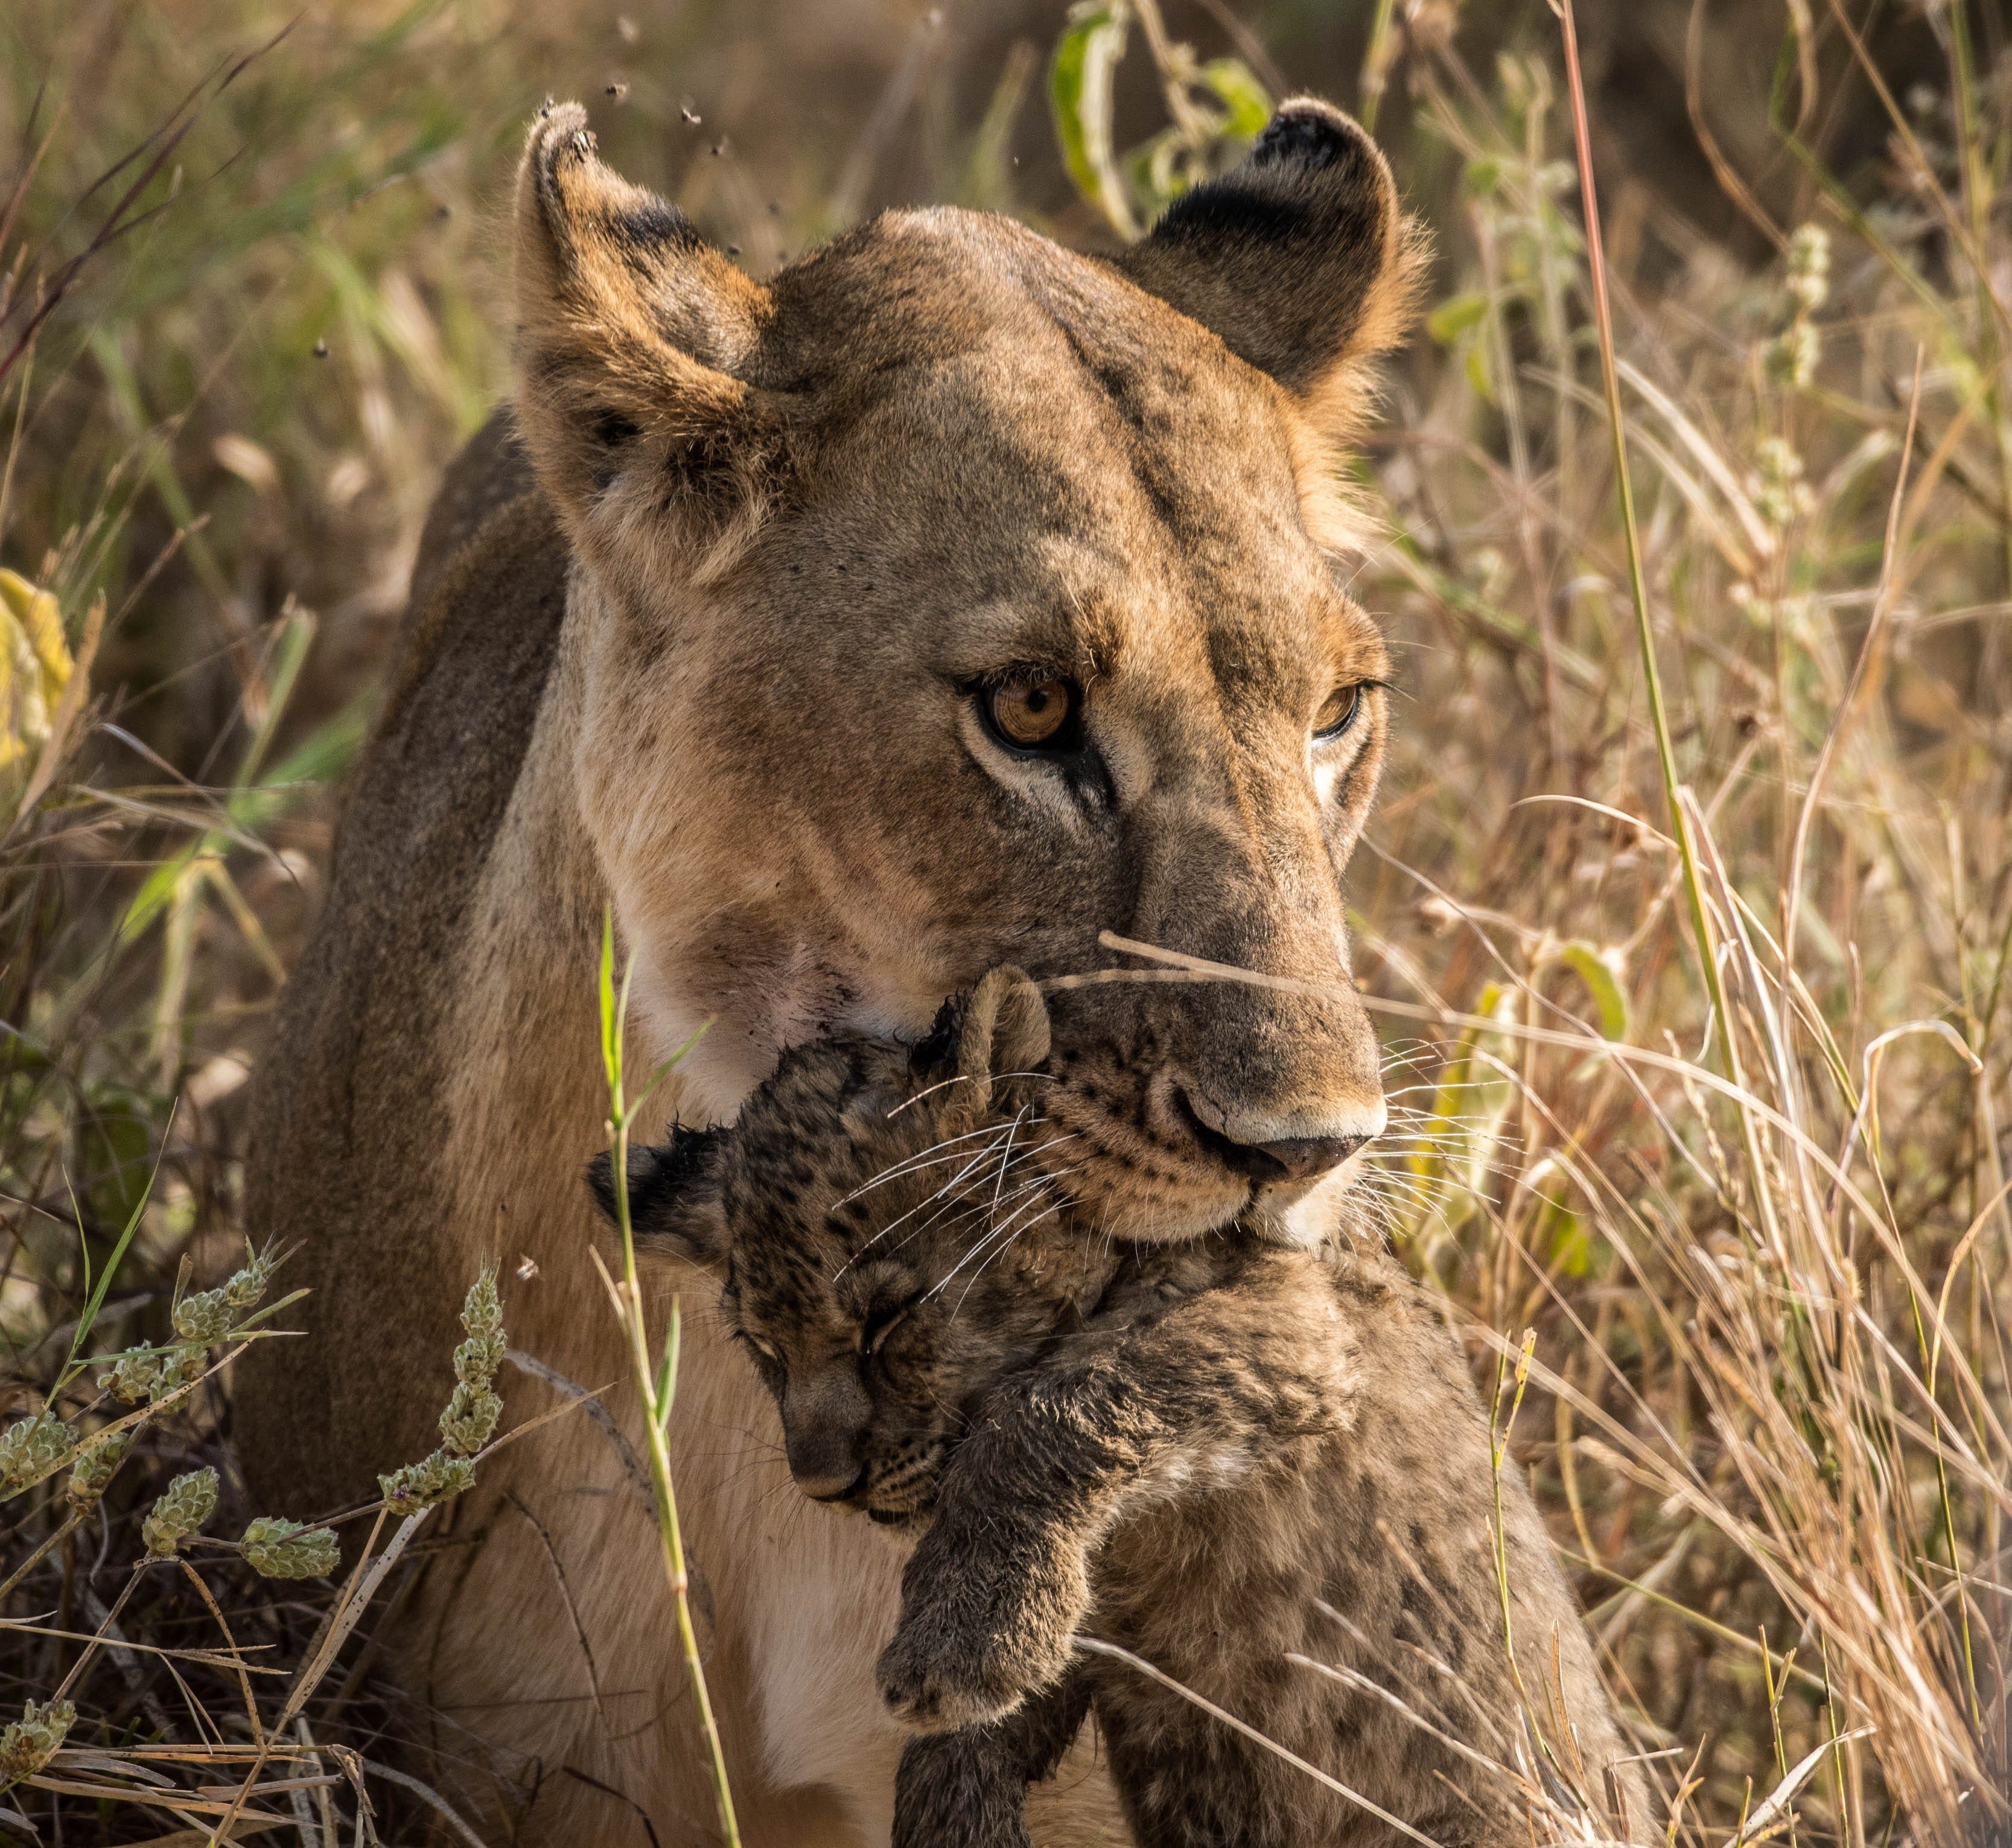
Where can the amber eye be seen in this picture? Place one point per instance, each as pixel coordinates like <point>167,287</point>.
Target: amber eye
<point>1338,714</point>
<point>1031,711</point>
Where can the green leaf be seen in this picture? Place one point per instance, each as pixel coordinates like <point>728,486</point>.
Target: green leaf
<point>1596,968</point>
<point>611,1023</point>
<point>1080,93</point>
<point>156,894</point>
<point>115,1146</point>
<point>1480,375</point>
<point>1247,105</point>
<point>1572,1248</point>
<point>669,1065</point>
<point>289,654</point>
<point>326,751</point>
<point>1482,178</point>
<point>110,1268</point>
<point>1456,315</point>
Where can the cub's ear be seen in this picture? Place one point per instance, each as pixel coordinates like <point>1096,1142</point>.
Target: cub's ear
<point>1300,258</point>
<point>1005,1031</point>
<point>993,1039</point>
<point>676,1207</point>
<point>632,334</point>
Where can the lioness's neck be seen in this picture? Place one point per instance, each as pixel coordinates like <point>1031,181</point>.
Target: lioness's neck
<point>528,1077</point>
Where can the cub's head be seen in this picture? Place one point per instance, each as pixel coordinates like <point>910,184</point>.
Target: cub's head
<point>954,597</point>
<point>868,1215</point>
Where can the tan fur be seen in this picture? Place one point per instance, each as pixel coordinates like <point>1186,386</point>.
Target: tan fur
<point>700,631</point>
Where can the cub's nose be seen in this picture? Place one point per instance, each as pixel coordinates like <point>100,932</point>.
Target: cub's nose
<point>830,1482</point>
<point>825,1413</point>
<point>1265,1159</point>
<point>1298,1159</point>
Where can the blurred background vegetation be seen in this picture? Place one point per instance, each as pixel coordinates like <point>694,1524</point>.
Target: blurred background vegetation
<point>252,298</point>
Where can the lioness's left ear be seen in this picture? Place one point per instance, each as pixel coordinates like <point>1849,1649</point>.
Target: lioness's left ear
<point>1300,258</point>
<point>634,338</point>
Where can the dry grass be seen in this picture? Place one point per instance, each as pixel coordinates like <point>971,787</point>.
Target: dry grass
<point>1749,1192</point>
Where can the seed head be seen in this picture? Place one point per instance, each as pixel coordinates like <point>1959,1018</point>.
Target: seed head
<point>469,1421</point>
<point>30,1449</point>
<point>33,1739</point>
<point>190,1500</point>
<point>282,1549</point>
<point>178,1366</point>
<point>248,1285</point>
<point>1777,485</point>
<point>477,1358</point>
<point>1790,358</point>
<point>481,1314</point>
<point>1809,269</point>
<point>132,1378</point>
<point>203,1318</point>
<point>96,1468</point>
<point>438,1478</point>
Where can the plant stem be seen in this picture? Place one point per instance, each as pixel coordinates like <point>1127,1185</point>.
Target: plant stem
<point>1376,61</point>
<point>1666,756</point>
<point>655,1387</point>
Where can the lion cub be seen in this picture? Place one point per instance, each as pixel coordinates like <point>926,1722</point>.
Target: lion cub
<point>1262,1470</point>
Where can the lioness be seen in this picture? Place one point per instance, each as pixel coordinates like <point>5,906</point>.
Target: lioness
<point>950,599</point>
<point>1262,1469</point>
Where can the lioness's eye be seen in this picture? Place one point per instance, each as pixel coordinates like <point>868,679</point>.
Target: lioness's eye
<point>1032,712</point>
<point>1338,714</point>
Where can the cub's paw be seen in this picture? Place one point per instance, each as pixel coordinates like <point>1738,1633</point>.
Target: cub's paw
<point>966,1659</point>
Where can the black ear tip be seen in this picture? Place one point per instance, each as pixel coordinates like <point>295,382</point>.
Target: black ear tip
<point>601,1181</point>
<point>1309,133</point>
<point>559,128</point>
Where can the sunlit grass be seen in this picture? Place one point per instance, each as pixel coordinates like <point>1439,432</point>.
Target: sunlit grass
<point>1724,1127</point>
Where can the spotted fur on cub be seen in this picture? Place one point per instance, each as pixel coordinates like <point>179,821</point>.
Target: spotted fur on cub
<point>1262,1468</point>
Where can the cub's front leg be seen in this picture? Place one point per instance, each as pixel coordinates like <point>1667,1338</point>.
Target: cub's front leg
<point>970,1787</point>
<point>1174,1401</point>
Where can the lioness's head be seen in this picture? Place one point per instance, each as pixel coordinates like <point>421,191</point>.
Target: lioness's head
<point>954,598</point>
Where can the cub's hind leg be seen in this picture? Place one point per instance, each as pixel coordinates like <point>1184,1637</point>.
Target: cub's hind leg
<point>970,1787</point>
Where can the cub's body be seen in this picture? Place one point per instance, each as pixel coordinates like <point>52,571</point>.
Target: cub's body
<point>1262,1469</point>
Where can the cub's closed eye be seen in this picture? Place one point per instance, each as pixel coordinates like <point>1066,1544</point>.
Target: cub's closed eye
<point>1340,711</point>
<point>1031,712</point>
<point>761,1348</point>
<point>882,1323</point>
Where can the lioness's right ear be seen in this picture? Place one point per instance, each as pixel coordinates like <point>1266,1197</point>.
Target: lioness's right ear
<point>631,332</point>
<point>1300,258</point>
<point>676,1208</point>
